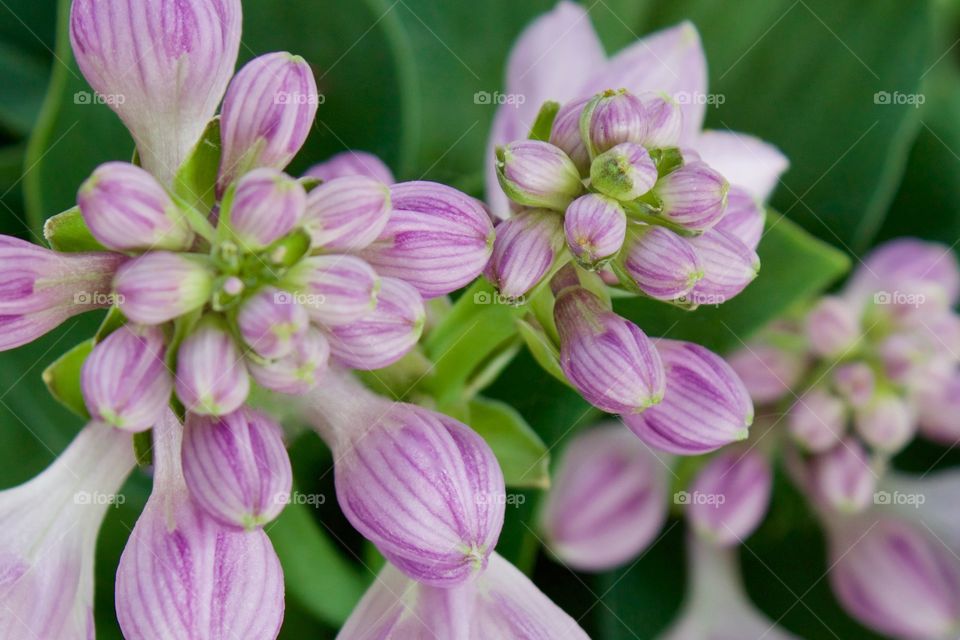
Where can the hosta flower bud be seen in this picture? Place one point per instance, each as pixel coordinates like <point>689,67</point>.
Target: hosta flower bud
<point>611,118</point>
<point>608,500</point>
<point>609,360</point>
<point>565,134</point>
<point>211,377</point>
<point>730,496</point>
<point>126,209</point>
<point>271,322</point>
<point>744,218</point>
<point>162,66</point>
<point>833,327</point>
<point>160,286</point>
<point>595,227</point>
<point>236,467</point>
<point>903,264</point>
<point>384,335</point>
<point>267,114</point>
<point>267,205</point>
<point>526,247</point>
<point>694,196</point>
<point>352,163</point>
<point>538,174</point>
<point>659,262</point>
<point>843,477</point>
<point>664,120</point>
<point>855,382</point>
<point>896,578</point>
<point>347,214</point>
<point>624,172</point>
<point>728,267</point>
<point>437,238</point>
<point>705,405</point>
<point>768,372</point>
<point>886,423</point>
<point>125,379</point>
<point>938,409</point>
<point>817,420</point>
<point>335,290</point>
<point>298,371</point>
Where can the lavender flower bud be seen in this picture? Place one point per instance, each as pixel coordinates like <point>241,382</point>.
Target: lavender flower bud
<point>565,134</point>
<point>267,114</point>
<point>938,409</point>
<point>659,262</point>
<point>165,65</point>
<point>352,163</point>
<point>728,267</point>
<point>236,467</point>
<point>272,322</point>
<point>336,290</point>
<point>160,286</point>
<point>694,196</point>
<point>817,420</point>
<point>267,205</point>
<point>538,174</point>
<point>768,372</point>
<point>855,382</point>
<point>125,380</point>
<point>609,360</point>
<point>887,423</point>
<point>386,334</point>
<point>595,227</point>
<point>211,378</point>
<point>624,172</point>
<point>833,327</point>
<point>843,477</point>
<point>705,405</point>
<point>744,218</point>
<point>526,247</point>
<point>664,120</point>
<point>126,209</point>
<point>297,372</point>
<point>731,495</point>
<point>437,238</point>
<point>903,264</point>
<point>347,214</point>
<point>611,118</point>
<point>608,500</point>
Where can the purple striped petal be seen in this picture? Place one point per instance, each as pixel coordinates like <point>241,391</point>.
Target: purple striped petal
<point>352,163</point>
<point>537,174</point>
<point>162,66</point>
<point>272,322</point>
<point>526,247</point>
<point>747,162</point>
<point>705,405</point>
<point>744,218</point>
<point>267,205</point>
<point>612,118</point>
<point>211,377</point>
<point>335,289</point>
<point>728,267</point>
<point>843,477</point>
<point>565,135</point>
<point>693,196</point>
<point>347,214</point>
<point>160,286</point>
<point>664,116</point>
<point>299,371</point>
<point>624,172</point>
<point>887,423</point>
<point>595,227</point>
<point>817,420</point>
<point>660,263</point>
<point>729,497</point>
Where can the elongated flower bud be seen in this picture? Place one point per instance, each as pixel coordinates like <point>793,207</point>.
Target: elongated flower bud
<point>767,371</point>
<point>271,322</point>
<point>843,477</point>
<point>236,467</point>
<point>855,382</point>
<point>386,334</point>
<point>125,379</point>
<point>160,286</point>
<point>347,214</point>
<point>887,423</point>
<point>728,267</point>
<point>352,163</point>
<point>817,420</point>
<point>609,360</point>
<point>729,496</point>
<point>233,576</point>
<point>267,206</point>
<point>705,405</point>
<point>162,66</point>
<point>526,247</point>
<point>538,174</point>
<point>660,263</point>
<point>298,371</point>
<point>267,114</point>
<point>595,227</point>
<point>126,209</point>
<point>612,118</point>
<point>211,377</point>
<point>744,218</point>
<point>437,239</point>
<point>624,172</point>
<point>694,196</point>
<point>608,500</point>
<point>833,327</point>
<point>664,119</point>
<point>565,134</point>
<point>335,290</point>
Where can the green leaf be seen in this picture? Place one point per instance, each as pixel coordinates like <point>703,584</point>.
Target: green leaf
<point>63,378</point>
<point>68,232</point>
<point>521,453</point>
<point>794,267</point>
<point>196,180</point>
<point>542,349</point>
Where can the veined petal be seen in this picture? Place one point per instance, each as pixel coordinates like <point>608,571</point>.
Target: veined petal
<point>352,163</point>
<point>747,162</point>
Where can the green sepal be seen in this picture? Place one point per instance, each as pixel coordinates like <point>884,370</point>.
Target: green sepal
<point>68,232</point>
<point>196,180</point>
<point>544,123</point>
<point>143,448</point>
<point>523,457</point>
<point>668,159</point>
<point>543,350</point>
<point>113,321</point>
<point>63,378</point>
<point>309,183</point>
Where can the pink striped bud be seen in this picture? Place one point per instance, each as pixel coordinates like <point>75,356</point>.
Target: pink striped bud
<point>659,262</point>
<point>729,496</point>
<point>843,477</point>
<point>565,134</point>
<point>335,290</point>
<point>125,379</point>
<point>833,327</point>
<point>728,267</point>
<point>609,360</point>
<point>126,209</point>
<point>160,286</point>
<point>352,163</point>
<point>526,248</point>
<point>855,382</point>
<point>236,467</point>
<point>612,118</point>
<point>705,405</point>
<point>624,172</point>
<point>817,420</point>
<point>608,500</point>
<point>272,322</point>
<point>267,114</point>
<point>162,66</point>
<point>211,377</point>
<point>767,371</point>
<point>694,196</point>
<point>938,409</point>
<point>267,205</point>
<point>664,119</point>
<point>595,227</point>
<point>886,423</point>
<point>347,214</point>
<point>744,218</point>
<point>437,239</point>
<point>297,372</point>
<point>537,174</point>
<point>386,334</point>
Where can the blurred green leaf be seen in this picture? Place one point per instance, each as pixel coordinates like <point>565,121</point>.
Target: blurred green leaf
<point>521,453</point>
<point>63,378</point>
